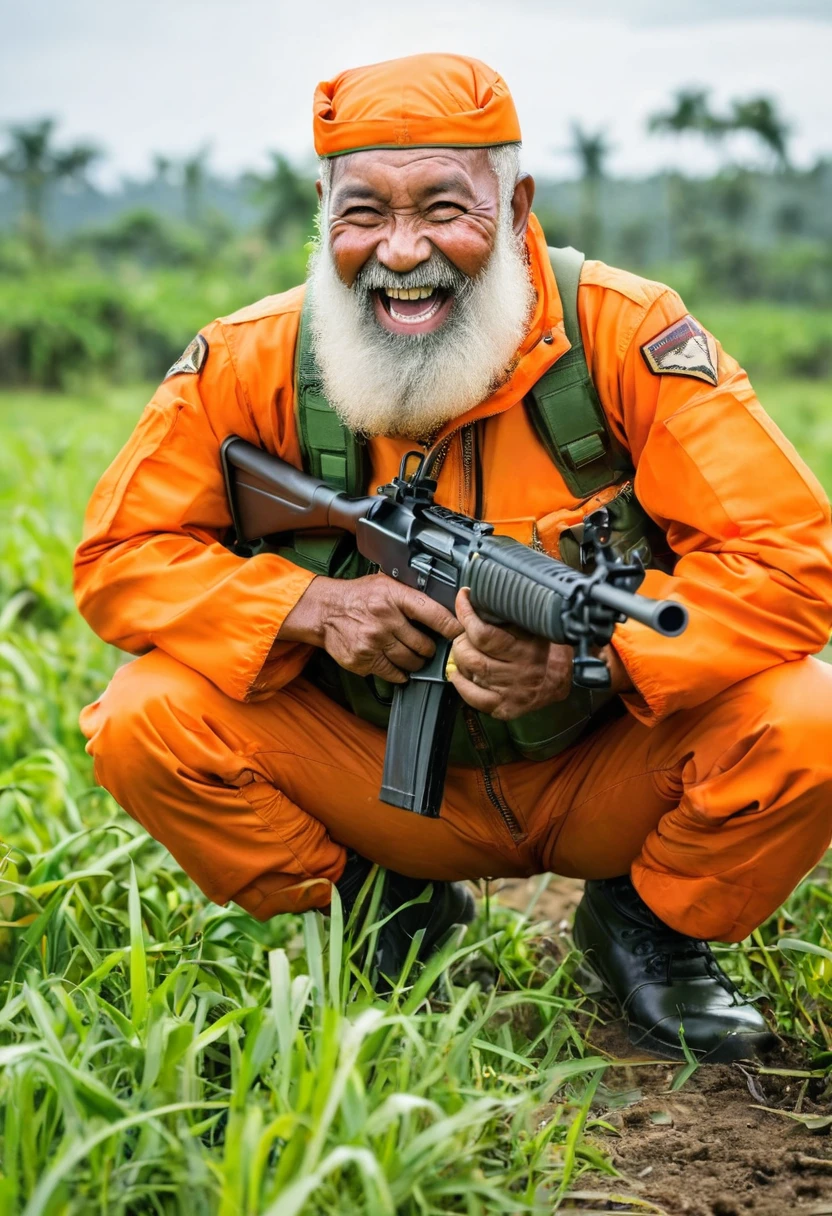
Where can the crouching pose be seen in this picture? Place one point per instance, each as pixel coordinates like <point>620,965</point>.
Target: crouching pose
<point>249,736</point>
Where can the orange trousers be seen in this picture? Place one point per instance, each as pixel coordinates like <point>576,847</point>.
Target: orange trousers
<point>717,811</point>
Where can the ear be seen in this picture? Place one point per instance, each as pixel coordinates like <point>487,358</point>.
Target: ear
<point>521,203</point>
<point>320,189</point>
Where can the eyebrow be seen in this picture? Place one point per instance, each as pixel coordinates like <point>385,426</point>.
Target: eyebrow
<point>350,191</point>
<point>449,185</point>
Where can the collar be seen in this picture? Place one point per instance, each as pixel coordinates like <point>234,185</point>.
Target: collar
<point>544,344</point>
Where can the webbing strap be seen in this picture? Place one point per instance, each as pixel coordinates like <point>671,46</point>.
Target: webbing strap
<point>328,448</point>
<point>565,408</point>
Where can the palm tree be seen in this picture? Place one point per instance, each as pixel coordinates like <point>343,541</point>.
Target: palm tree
<point>34,165</point>
<point>759,116</point>
<point>194,177</point>
<point>691,114</point>
<point>162,166</point>
<point>288,199</point>
<point>591,150</point>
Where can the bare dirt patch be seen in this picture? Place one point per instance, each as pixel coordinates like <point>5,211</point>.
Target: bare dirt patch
<point>705,1149</point>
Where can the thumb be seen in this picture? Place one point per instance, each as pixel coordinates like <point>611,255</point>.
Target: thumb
<point>463,606</point>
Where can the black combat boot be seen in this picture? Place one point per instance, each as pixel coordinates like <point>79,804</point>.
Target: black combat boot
<point>352,880</point>
<point>450,903</point>
<point>664,980</point>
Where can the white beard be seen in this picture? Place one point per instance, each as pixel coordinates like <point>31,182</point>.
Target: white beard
<point>408,386</point>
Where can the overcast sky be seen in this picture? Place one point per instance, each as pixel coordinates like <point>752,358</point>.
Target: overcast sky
<point>169,75</point>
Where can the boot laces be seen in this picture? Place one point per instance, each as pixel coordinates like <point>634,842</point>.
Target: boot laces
<point>667,953</point>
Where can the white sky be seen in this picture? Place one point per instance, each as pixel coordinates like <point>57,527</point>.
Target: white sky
<point>169,75</point>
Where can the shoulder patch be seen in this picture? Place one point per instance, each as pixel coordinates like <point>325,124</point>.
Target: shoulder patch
<point>683,349</point>
<point>191,359</point>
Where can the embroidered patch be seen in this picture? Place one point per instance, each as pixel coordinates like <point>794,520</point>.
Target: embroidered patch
<point>683,349</point>
<point>191,359</point>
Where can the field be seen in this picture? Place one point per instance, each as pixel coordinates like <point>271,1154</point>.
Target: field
<point>159,1054</point>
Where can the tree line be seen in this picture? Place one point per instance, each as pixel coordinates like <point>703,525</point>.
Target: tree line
<point>36,164</point>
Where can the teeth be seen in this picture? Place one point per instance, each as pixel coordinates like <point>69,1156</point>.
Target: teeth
<point>419,318</point>
<point>409,293</point>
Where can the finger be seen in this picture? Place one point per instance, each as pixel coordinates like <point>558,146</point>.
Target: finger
<point>402,656</point>
<point>478,667</point>
<point>419,607</point>
<point>386,670</point>
<point>483,699</point>
<point>491,639</point>
<point>462,605</point>
<point>413,638</point>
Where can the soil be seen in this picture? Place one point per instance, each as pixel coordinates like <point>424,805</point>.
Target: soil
<point>705,1149</point>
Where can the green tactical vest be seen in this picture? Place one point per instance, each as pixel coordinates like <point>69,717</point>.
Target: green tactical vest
<point>569,420</point>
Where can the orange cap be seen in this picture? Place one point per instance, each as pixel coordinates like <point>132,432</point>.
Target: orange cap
<point>420,101</point>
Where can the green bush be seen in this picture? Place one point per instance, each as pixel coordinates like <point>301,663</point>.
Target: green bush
<point>147,238</point>
<point>71,322</point>
<point>771,341</point>
<point>726,267</point>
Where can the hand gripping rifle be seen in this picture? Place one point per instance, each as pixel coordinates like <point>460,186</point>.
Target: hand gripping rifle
<point>409,537</point>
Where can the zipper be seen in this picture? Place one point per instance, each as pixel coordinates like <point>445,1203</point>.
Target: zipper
<point>435,457</point>
<point>467,443</point>
<point>479,487</point>
<point>470,484</point>
<point>490,776</point>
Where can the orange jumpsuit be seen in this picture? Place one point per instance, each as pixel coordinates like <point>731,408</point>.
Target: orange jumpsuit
<point>715,788</point>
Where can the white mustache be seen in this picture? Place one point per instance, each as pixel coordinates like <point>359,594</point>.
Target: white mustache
<point>437,271</point>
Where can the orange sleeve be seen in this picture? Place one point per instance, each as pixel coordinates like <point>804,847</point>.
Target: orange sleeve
<point>748,520</point>
<point>151,569</point>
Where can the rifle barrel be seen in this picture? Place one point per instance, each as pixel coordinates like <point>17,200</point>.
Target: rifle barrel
<point>664,616</point>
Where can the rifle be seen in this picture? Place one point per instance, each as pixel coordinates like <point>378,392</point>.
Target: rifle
<point>403,532</point>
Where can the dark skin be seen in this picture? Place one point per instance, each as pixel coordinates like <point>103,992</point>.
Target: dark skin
<point>398,207</point>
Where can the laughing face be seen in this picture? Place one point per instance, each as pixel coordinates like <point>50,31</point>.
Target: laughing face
<point>392,211</point>
<point>420,288</point>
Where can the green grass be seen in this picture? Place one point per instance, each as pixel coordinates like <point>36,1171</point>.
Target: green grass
<point>803,411</point>
<point>161,1055</point>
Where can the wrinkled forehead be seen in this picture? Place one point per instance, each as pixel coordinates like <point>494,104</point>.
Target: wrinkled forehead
<point>412,172</point>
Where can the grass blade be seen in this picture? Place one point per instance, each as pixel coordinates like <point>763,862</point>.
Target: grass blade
<point>138,956</point>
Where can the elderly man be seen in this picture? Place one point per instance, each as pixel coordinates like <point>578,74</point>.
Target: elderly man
<point>694,801</point>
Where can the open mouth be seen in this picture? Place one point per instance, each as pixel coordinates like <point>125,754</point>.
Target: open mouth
<point>412,309</point>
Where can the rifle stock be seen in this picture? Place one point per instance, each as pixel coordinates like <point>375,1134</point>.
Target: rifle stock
<point>263,504</point>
